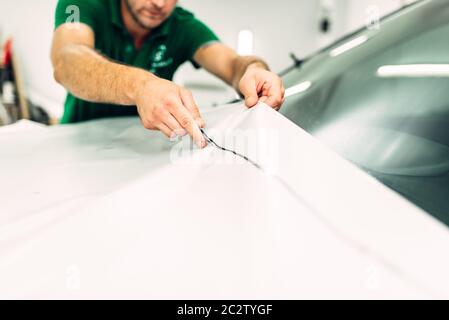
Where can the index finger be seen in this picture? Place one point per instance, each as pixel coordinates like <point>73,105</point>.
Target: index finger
<point>248,89</point>
<point>189,102</point>
<point>186,120</point>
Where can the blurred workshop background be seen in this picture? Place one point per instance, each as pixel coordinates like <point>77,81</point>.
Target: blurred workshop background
<point>271,29</point>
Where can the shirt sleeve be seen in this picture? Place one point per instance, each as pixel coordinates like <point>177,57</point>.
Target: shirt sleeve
<point>76,11</point>
<point>196,35</point>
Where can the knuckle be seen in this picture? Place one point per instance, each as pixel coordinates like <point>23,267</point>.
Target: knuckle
<point>196,111</point>
<point>156,109</point>
<point>147,124</point>
<point>169,100</point>
<point>158,112</point>
<point>186,122</point>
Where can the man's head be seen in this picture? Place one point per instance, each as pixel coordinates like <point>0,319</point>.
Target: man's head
<point>150,14</point>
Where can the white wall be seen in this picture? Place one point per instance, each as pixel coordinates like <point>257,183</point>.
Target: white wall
<point>30,22</point>
<point>280,27</point>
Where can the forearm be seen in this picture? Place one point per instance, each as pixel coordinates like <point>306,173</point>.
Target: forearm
<point>241,65</point>
<point>91,77</point>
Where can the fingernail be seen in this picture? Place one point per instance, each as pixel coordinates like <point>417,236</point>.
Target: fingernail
<point>181,132</point>
<point>201,143</point>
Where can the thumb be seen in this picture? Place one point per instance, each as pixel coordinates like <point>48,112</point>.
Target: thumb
<point>249,91</point>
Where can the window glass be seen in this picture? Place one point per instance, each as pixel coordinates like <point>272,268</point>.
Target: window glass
<point>384,104</point>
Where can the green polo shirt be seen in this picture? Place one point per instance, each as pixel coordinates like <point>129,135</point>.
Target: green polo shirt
<point>170,45</point>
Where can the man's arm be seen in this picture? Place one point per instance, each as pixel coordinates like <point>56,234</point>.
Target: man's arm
<point>89,76</point>
<point>248,75</point>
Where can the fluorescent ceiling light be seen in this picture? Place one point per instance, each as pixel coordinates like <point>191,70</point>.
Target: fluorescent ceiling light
<point>299,88</point>
<point>349,46</point>
<point>414,71</point>
<point>245,46</point>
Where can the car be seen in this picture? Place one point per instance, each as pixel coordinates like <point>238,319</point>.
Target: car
<point>271,209</point>
<point>380,100</point>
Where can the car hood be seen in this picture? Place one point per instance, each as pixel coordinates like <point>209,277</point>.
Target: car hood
<point>106,209</point>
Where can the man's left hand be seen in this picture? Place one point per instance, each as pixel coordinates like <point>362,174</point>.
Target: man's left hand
<point>260,85</point>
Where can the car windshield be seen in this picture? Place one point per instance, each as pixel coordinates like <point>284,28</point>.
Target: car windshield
<point>381,100</point>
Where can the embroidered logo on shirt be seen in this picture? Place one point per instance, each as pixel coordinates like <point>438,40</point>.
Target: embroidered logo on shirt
<point>158,58</point>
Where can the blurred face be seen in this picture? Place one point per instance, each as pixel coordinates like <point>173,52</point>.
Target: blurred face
<point>149,14</point>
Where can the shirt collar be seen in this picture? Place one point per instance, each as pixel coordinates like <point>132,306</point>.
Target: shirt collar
<point>117,20</point>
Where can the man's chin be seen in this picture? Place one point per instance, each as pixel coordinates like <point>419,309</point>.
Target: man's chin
<point>150,23</point>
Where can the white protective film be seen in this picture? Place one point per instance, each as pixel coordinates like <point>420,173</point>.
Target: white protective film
<point>106,209</point>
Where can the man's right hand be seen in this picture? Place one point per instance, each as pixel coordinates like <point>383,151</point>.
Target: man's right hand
<point>171,109</point>
<point>162,105</point>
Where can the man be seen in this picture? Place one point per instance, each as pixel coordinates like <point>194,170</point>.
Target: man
<point>116,55</point>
